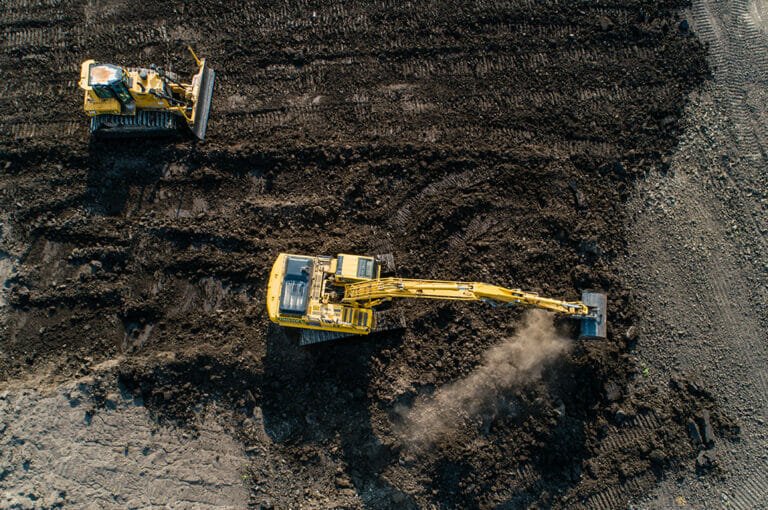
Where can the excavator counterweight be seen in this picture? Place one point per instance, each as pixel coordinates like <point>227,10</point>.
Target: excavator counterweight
<point>335,297</point>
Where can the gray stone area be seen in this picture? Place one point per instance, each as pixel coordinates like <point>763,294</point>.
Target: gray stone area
<point>698,257</point>
<point>59,450</point>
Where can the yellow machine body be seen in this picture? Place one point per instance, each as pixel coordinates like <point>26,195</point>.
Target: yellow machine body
<point>135,85</point>
<point>306,292</point>
<point>144,101</point>
<point>341,295</point>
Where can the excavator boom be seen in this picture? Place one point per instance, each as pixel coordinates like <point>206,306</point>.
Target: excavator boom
<point>330,298</point>
<point>377,291</point>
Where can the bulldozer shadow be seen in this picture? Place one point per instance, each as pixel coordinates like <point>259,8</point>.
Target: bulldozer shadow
<point>114,166</point>
<point>316,396</point>
<point>123,174</point>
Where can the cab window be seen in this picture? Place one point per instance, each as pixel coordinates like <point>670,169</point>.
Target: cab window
<point>365,268</point>
<point>103,92</point>
<point>121,92</point>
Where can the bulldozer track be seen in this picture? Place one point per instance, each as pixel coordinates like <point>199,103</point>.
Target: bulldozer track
<point>26,5</point>
<point>751,490</point>
<point>343,19</point>
<point>475,230</point>
<point>735,77</point>
<point>523,478</point>
<point>618,497</point>
<point>641,427</point>
<point>728,51</point>
<point>730,311</point>
<point>36,89</point>
<point>47,130</point>
<point>38,38</point>
<point>10,19</point>
<point>149,122</point>
<point>414,66</point>
<point>401,218</point>
<point>18,12</point>
<point>756,41</point>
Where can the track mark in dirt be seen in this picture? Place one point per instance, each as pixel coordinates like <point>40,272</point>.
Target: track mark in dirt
<point>52,438</point>
<point>752,491</point>
<point>616,497</point>
<point>328,122</point>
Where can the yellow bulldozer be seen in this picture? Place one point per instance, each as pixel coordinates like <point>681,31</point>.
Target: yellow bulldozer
<point>124,102</point>
<point>329,298</point>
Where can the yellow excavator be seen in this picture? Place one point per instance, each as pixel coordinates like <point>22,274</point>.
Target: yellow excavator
<point>124,102</point>
<point>331,298</point>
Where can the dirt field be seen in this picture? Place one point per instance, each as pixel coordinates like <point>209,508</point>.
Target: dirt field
<point>698,238</point>
<point>497,141</point>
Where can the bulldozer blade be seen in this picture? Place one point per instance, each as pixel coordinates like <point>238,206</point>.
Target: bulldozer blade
<point>203,103</point>
<point>594,326</point>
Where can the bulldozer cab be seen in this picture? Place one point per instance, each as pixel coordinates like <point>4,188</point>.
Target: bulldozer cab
<point>108,81</point>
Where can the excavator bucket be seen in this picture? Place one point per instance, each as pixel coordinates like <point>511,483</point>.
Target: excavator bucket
<point>202,92</point>
<point>595,325</point>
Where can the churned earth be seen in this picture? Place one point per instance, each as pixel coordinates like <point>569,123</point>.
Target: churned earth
<point>492,141</point>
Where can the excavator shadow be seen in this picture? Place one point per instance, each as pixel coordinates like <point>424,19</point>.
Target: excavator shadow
<point>317,397</point>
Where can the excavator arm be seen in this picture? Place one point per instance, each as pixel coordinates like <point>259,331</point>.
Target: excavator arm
<point>373,292</point>
<point>331,298</point>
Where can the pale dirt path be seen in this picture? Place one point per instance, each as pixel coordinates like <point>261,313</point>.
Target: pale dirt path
<point>699,260</point>
<point>58,450</point>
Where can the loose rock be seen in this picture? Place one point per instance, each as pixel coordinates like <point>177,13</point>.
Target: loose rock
<point>708,434</point>
<point>693,432</point>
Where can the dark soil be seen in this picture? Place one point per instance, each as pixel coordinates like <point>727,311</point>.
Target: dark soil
<point>494,143</point>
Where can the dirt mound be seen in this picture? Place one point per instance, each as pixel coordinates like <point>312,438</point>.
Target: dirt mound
<point>490,142</point>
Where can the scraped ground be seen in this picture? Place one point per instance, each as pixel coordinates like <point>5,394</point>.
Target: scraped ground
<point>61,450</point>
<point>495,142</point>
<point>698,241</point>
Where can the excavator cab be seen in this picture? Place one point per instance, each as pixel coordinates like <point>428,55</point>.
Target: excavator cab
<point>355,268</point>
<point>295,286</point>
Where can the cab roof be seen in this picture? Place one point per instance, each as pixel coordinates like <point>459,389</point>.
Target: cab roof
<point>104,74</point>
<point>296,282</point>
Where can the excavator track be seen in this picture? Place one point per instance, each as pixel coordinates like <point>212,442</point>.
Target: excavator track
<point>144,123</point>
<point>386,320</point>
<point>316,336</point>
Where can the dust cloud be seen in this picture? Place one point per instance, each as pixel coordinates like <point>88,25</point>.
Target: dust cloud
<point>506,366</point>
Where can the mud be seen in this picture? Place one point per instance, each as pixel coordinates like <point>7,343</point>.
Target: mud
<point>505,369</point>
<point>494,142</point>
